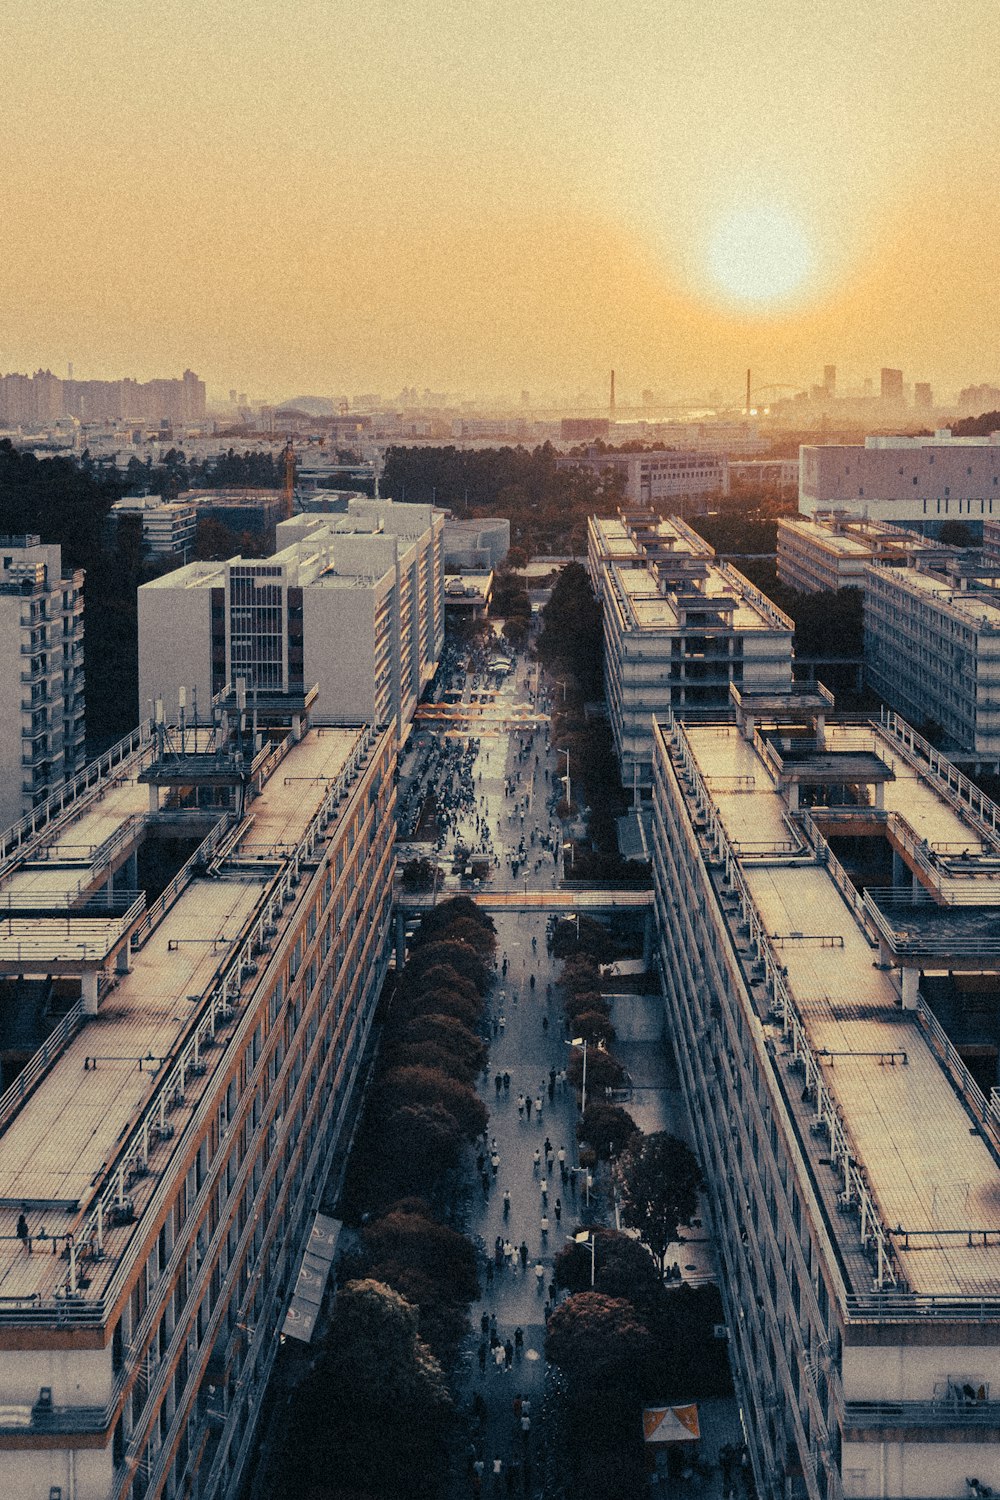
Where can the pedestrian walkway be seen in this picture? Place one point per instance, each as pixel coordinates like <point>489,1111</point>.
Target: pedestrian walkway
<point>528,1051</point>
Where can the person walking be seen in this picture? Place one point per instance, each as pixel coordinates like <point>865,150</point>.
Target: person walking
<point>520,1106</point>
<point>539,1277</point>
<point>558,1210</point>
<point>545,1229</point>
<point>536,1161</point>
<point>499,1358</point>
<point>506,1203</point>
<point>506,1083</point>
<point>538,1108</point>
<point>545,1191</point>
<point>23,1232</point>
<point>527,1106</point>
<point>495,1163</point>
<point>523,1252</point>
<point>508,1354</point>
<point>518,1340</point>
<point>561,1158</point>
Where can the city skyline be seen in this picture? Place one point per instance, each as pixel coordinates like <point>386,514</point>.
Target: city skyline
<point>495,200</point>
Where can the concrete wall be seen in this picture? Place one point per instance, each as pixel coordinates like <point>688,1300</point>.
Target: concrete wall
<point>175,646</point>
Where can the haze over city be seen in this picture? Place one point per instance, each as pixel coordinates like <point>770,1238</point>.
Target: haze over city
<point>502,197</point>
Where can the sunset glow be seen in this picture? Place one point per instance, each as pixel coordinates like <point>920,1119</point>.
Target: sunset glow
<point>484,199</point>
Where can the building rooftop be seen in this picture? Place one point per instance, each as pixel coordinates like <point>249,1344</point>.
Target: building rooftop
<point>930,1163</point>
<point>143,1062</point>
<point>976,608</point>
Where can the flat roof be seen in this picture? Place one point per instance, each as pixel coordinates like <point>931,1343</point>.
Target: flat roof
<point>643,607</point>
<point>974,608</point>
<point>929,1166</point>
<point>59,1145</point>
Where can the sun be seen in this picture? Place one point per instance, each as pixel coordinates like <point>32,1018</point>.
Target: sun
<point>758,254</point>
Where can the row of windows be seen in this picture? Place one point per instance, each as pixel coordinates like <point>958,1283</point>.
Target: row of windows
<point>319,997</point>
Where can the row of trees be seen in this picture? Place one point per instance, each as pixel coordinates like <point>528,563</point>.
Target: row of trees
<point>376,1408</point>
<point>622,1340</point>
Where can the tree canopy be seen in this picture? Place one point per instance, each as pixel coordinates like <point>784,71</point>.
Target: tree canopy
<point>658,1181</point>
<point>375,1409</point>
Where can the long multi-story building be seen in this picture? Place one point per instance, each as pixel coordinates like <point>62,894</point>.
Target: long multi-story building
<point>852,1163</point>
<point>163,1158</point>
<point>42,729</point>
<point>932,649</point>
<point>832,549</point>
<point>910,481</point>
<point>661,476</point>
<point>353,603</point>
<point>679,627</point>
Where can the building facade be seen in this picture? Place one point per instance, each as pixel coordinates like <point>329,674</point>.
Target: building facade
<point>170,1147</point>
<point>851,1161</point>
<point>42,721</point>
<point>932,649</point>
<point>659,477</point>
<point>678,629</point>
<point>168,526</point>
<point>905,480</point>
<point>353,603</point>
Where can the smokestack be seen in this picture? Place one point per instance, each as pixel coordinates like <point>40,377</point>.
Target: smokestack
<point>612,407</point>
<point>748,393</point>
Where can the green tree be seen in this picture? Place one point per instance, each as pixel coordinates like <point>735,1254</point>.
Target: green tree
<point>658,1181</point>
<point>622,1267</point>
<point>448,1033</point>
<point>431,1086</point>
<point>375,1409</point>
<point>607,1129</point>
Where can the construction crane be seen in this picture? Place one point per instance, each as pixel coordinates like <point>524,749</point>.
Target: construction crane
<point>288,458</point>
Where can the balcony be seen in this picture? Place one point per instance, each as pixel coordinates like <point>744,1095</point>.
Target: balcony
<point>950,1411</point>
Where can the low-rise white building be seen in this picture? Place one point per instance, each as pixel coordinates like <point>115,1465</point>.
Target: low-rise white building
<point>679,627</point>
<point>907,480</point>
<point>42,730</point>
<point>832,550</point>
<point>352,603</point>
<point>932,650</point>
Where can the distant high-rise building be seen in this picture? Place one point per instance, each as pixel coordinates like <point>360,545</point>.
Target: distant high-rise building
<point>892,385</point>
<point>830,379</point>
<point>922,395</point>
<point>41,698</point>
<point>44,398</point>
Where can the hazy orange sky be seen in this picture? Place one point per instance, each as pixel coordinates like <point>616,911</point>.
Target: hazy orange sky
<point>483,197</point>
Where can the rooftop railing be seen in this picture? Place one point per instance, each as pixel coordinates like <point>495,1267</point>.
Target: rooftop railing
<point>218,1007</point>
<point>856,1192</point>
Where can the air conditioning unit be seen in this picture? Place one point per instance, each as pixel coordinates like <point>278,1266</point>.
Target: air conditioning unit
<point>720,1331</point>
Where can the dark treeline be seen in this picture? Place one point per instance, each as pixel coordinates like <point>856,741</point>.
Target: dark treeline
<point>68,501</point>
<point>547,507</point>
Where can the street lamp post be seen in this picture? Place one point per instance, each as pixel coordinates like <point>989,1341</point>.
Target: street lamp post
<point>585,1237</point>
<point>567,782</point>
<point>581,1041</point>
